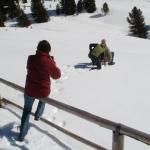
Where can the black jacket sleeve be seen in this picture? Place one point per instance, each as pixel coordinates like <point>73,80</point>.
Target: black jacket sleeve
<point>92,45</point>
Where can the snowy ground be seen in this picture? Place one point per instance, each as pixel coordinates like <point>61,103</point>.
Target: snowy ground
<point>119,93</point>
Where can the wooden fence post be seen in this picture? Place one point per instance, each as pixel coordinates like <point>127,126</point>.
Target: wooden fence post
<point>118,139</point>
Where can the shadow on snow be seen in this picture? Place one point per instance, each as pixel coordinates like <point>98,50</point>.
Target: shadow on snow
<point>83,66</point>
<point>7,132</point>
<point>97,16</point>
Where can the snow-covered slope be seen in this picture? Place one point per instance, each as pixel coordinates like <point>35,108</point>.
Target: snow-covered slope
<point>119,93</point>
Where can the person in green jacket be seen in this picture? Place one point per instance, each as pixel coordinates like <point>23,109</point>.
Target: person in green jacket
<point>99,52</point>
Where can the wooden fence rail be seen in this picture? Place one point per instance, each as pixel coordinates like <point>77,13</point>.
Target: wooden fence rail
<point>77,137</point>
<point>118,130</point>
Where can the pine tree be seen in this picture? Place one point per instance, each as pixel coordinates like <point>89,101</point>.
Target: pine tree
<point>62,5</point>
<point>68,7</point>
<point>38,11</point>
<point>24,1</point>
<point>10,8</point>
<point>90,5</point>
<point>1,20</point>
<point>3,9</point>
<point>58,9</point>
<point>137,24</point>
<point>34,4</point>
<point>23,21</point>
<point>13,8</point>
<point>42,15</point>
<point>79,6</point>
<point>85,4</point>
<point>2,16</point>
<point>105,8</point>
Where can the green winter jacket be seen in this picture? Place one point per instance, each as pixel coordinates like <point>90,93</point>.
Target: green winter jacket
<point>99,49</point>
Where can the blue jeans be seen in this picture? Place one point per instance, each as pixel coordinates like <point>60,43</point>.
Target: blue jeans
<point>28,103</point>
<point>96,61</point>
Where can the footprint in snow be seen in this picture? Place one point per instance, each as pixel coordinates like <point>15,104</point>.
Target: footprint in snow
<point>62,123</point>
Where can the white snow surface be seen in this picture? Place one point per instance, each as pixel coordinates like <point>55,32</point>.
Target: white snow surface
<point>119,93</point>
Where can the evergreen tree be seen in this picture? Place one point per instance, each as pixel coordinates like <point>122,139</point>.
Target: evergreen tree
<point>23,21</point>
<point>9,8</point>
<point>58,9</point>
<point>1,19</point>
<point>4,9</point>
<point>137,24</point>
<point>38,11</point>
<point>85,4</point>
<point>68,7</point>
<point>79,6</point>
<point>2,15</point>
<point>13,8</point>
<point>90,5</point>
<point>105,8</point>
<point>42,15</point>
<point>62,5</point>
<point>42,1</point>
<point>24,1</point>
<point>34,4</point>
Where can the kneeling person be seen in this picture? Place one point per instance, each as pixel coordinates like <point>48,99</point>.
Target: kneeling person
<point>99,52</point>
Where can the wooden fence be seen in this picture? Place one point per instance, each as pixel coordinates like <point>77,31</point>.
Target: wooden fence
<point>118,130</point>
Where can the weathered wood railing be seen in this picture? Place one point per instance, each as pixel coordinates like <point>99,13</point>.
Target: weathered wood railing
<point>119,130</point>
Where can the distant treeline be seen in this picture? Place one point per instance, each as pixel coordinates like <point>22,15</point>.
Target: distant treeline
<point>11,9</point>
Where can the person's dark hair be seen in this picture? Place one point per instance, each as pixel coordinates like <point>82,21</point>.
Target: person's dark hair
<point>44,46</point>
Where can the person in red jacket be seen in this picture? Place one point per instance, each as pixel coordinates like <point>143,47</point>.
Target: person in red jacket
<point>40,68</point>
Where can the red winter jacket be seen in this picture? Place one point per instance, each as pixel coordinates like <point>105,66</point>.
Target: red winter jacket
<point>40,67</point>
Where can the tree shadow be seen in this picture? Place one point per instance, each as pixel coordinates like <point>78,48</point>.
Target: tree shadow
<point>97,16</point>
<point>14,22</point>
<point>14,113</point>
<point>83,66</point>
<point>7,132</point>
<point>55,139</point>
<point>52,13</point>
<point>148,27</point>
